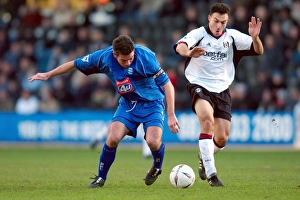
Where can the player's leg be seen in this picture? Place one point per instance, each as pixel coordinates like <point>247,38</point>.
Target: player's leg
<point>117,131</point>
<point>153,139</point>
<point>157,147</point>
<point>204,112</point>
<point>221,133</point>
<point>222,128</point>
<point>221,104</point>
<point>222,120</point>
<point>220,138</point>
<point>151,114</point>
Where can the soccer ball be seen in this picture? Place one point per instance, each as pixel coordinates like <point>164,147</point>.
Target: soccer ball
<point>182,176</point>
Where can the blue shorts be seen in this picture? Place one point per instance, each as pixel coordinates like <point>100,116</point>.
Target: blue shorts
<point>133,113</point>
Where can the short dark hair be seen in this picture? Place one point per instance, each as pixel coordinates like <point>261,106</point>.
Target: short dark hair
<point>220,8</point>
<point>123,45</point>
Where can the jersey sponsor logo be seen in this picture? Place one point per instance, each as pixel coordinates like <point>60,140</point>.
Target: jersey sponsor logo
<point>86,58</point>
<point>124,86</point>
<point>216,56</point>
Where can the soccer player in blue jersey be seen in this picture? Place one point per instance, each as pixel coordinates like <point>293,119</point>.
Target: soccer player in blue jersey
<point>144,88</point>
<point>213,52</point>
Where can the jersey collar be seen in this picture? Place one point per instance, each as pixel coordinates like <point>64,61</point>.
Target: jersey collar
<point>210,33</point>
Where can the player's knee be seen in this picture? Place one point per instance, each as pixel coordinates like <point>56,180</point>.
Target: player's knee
<point>112,141</point>
<point>153,144</point>
<point>221,140</point>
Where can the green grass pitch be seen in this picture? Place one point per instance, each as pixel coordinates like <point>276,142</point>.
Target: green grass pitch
<point>63,173</point>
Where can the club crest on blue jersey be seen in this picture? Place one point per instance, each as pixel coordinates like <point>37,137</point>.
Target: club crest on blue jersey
<point>124,86</point>
<point>130,70</point>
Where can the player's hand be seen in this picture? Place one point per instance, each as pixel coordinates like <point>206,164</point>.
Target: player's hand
<point>173,124</point>
<point>254,27</point>
<point>38,76</point>
<point>196,52</point>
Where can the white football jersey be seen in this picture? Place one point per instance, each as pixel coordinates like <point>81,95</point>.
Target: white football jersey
<point>215,70</point>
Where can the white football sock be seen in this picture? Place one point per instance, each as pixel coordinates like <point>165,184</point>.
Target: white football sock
<point>217,149</point>
<point>206,147</point>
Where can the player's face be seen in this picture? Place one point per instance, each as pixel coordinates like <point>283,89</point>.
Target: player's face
<point>217,23</point>
<point>125,60</point>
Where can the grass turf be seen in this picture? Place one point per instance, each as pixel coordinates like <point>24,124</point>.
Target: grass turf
<point>63,173</point>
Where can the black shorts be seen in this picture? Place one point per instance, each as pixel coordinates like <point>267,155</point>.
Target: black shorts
<point>220,102</point>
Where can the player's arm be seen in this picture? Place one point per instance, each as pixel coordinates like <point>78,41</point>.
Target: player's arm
<point>254,30</point>
<point>258,46</point>
<point>170,101</point>
<point>183,50</point>
<point>62,69</point>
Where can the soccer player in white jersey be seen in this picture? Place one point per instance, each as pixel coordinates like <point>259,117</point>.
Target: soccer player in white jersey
<point>213,52</point>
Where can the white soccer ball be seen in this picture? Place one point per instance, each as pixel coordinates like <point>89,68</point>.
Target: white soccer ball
<point>182,176</point>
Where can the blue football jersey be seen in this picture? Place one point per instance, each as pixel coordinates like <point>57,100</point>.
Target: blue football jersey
<point>142,80</point>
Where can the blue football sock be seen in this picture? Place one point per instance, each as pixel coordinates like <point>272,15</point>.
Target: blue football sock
<point>106,159</point>
<point>158,156</point>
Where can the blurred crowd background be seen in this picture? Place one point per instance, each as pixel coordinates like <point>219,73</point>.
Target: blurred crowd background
<point>38,35</point>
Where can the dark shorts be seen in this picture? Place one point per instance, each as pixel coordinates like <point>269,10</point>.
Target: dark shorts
<point>221,102</point>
